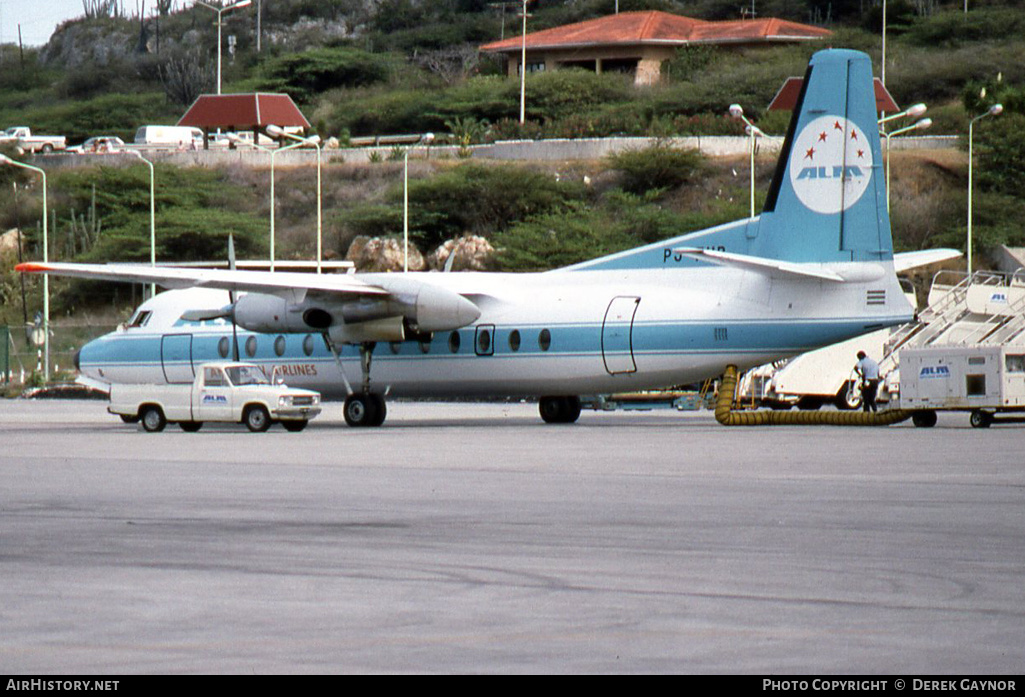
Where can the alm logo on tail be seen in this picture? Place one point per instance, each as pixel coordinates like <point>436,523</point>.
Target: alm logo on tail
<point>830,164</point>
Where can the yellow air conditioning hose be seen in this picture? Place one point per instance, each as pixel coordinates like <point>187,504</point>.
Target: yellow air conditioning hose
<point>725,415</point>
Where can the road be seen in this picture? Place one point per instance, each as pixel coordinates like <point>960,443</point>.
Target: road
<point>465,538</point>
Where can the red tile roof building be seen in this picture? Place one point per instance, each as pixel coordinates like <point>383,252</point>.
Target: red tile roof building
<point>638,42</point>
<point>243,112</point>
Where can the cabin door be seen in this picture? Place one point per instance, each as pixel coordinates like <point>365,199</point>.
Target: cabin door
<point>176,358</point>
<point>617,335</point>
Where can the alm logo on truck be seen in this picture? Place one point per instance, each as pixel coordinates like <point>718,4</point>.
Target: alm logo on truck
<point>934,371</point>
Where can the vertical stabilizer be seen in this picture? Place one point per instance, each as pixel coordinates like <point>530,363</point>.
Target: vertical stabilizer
<point>827,201</point>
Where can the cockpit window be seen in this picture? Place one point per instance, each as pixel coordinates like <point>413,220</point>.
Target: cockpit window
<point>140,319</point>
<point>247,375</point>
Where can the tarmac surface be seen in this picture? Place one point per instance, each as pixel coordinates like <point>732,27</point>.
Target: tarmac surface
<point>472,538</point>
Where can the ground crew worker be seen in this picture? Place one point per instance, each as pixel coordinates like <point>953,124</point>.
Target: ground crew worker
<point>869,372</point>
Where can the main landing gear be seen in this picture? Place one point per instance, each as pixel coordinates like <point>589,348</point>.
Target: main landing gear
<point>559,410</point>
<point>364,408</point>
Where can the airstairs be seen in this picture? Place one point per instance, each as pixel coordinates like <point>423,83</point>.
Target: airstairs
<point>984,308</point>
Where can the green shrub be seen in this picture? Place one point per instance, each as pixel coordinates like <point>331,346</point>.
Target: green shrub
<point>657,168</point>
<point>305,75</point>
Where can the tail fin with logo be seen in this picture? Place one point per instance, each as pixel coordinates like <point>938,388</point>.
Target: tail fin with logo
<point>827,200</point>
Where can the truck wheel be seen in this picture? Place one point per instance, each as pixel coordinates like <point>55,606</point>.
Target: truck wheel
<point>47,148</point>
<point>294,426</point>
<point>256,418</point>
<point>152,419</point>
<point>980,419</point>
<point>848,398</point>
<point>924,419</point>
<point>810,403</point>
<point>190,426</point>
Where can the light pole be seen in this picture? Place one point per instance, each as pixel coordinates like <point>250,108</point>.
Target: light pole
<point>924,123</point>
<point>279,132</point>
<point>233,137</point>
<point>4,160</point>
<point>152,215</point>
<point>914,112</point>
<point>220,11</point>
<point>883,67</point>
<point>425,139</point>
<point>994,110</point>
<point>523,68</point>
<point>737,112</point>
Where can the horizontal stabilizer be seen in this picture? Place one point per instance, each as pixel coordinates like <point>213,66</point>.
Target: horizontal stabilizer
<point>904,261</point>
<point>771,266</point>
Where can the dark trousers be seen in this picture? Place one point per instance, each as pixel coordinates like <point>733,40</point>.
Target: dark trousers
<point>868,394</point>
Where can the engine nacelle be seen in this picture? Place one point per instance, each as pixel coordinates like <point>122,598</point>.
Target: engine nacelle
<point>411,308</point>
<point>269,314</point>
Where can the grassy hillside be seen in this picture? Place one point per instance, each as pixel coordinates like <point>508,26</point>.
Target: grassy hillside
<point>411,67</point>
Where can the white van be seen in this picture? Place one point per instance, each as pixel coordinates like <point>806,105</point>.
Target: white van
<point>184,137</point>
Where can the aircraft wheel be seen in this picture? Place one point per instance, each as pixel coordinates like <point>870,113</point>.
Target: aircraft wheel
<point>559,410</point>
<point>256,418</point>
<point>152,419</point>
<point>294,426</point>
<point>364,410</point>
<point>381,408</point>
<point>190,426</point>
<point>980,419</point>
<point>924,419</point>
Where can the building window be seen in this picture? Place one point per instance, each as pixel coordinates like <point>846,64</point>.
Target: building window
<point>533,67</point>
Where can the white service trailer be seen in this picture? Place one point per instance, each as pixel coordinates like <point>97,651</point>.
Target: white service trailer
<point>983,379</point>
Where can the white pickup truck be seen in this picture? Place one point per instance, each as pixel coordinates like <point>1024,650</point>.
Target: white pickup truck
<point>222,391</point>
<point>21,137</point>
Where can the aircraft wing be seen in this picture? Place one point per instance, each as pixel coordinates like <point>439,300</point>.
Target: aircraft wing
<point>350,309</point>
<point>904,261</point>
<point>284,284</point>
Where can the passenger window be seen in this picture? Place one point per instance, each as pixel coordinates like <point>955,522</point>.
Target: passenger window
<point>514,340</point>
<point>222,346</point>
<point>213,377</point>
<point>251,347</point>
<point>544,340</point>
<point>308,345</point>
<point>279,346</point>
<point>453,342</point>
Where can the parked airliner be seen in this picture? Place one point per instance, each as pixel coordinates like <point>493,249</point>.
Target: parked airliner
<point>815,267</point>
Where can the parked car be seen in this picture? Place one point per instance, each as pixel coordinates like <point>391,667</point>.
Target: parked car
<point>21,137</point>
<point>99,144</point>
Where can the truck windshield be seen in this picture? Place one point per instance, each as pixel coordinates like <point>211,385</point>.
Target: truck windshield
<point>247,375</point>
